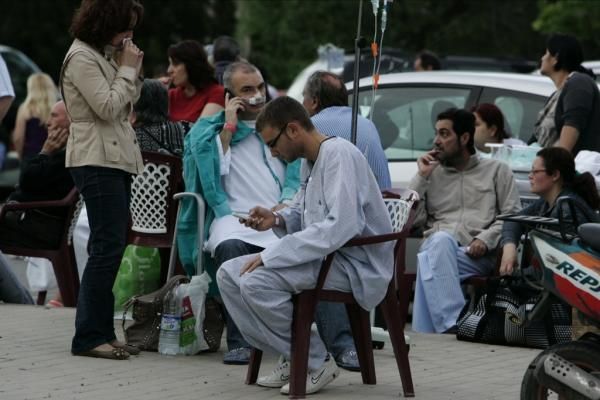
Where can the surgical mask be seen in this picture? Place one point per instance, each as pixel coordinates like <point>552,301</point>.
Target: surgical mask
<point>255,100</point>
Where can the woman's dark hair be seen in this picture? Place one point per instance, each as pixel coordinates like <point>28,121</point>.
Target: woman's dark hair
<point>96,22</point>
<point>492,116</point>
<point>561,160</point>
<point>153,104</point>
<point>192,55</point>
<point>568,52</point>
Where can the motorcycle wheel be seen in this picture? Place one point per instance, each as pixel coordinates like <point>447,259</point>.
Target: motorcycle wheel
<point>584,354</point>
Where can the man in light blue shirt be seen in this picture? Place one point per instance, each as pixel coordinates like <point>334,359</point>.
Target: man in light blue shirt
<point>326,100</point>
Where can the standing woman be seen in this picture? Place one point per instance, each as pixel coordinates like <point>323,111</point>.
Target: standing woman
<point>577,109</point>
<point>30,126</point>
<point>100,82</point>
<point>196,93</point>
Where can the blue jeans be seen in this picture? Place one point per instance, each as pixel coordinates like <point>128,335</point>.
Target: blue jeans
<point>334,327</point>
<point>227,250</point>
<point>106,193</point>
<point>11,290</point>
<point>441,266</point>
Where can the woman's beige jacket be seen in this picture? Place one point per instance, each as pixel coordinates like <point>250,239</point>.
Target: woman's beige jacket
<point>99,95</point>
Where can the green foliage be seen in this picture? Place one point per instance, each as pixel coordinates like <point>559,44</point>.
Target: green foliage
<point>283,35</point>
<point>580,18</point>
<point>40,28</point>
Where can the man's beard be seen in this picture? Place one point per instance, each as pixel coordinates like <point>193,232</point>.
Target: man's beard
<point>451,160</point>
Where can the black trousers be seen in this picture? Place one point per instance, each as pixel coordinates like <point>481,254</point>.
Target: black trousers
<point>106,193</point>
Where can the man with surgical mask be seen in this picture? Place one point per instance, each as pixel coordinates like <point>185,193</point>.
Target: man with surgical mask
<point>228,163</point>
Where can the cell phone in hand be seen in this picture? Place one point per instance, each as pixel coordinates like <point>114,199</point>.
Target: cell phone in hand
<point>241,215</point>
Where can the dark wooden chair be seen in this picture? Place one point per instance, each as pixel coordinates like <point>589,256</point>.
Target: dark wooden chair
<point>153,209</point>
<point>402,213</point>
<point>62,257</point>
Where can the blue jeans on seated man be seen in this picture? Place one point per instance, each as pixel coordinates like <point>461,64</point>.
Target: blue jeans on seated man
<point>238,348</point>
<point>441,266</point>
<point>11,289</point>
<point>331,319</point>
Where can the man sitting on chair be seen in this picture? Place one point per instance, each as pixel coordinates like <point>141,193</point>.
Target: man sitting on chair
<point>43,178</point>
<point>338,200</point>
<point>461,198</point>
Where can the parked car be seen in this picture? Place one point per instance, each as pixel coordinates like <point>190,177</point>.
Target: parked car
<point>594,66</point>
<point>407,104</point>
<point>392,60</point>
<point>465,63</point>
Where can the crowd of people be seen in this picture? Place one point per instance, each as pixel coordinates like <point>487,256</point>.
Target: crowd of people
<point>308,188</point>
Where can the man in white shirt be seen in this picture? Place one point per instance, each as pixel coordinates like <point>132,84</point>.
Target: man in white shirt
<point>339,199</point>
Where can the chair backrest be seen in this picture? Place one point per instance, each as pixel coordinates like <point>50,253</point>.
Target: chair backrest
<point>402,205</point>
<point>73,221</point>
<point>152,209</point>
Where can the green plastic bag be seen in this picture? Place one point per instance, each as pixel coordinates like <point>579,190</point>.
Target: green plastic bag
<point>138,274</point>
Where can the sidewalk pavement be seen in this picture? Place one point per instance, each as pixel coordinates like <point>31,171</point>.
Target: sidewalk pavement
<point>35,363</point>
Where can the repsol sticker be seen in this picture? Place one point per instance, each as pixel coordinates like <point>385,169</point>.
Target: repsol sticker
<point>562,264</point>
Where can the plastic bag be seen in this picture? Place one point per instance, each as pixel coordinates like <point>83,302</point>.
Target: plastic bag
<point>40,274</point>
<point>138,274</point>
<point>193,298</point>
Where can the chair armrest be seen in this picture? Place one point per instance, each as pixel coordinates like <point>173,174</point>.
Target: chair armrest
<point>64,202</point>
<point>361,241</point>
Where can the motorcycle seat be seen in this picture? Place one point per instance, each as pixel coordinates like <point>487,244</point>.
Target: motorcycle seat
<point>590,234</point>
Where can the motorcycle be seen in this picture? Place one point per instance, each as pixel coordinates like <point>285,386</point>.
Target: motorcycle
<point>567,260</point>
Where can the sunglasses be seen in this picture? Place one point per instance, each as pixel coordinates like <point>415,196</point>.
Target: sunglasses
<point>273,142</point>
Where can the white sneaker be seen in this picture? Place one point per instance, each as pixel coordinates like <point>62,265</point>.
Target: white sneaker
<point>279,377</point>
<point>316,380</point>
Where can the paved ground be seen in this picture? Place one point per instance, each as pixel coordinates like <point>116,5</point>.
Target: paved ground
<point>35,364</point>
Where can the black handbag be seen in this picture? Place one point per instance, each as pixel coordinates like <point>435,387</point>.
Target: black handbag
<point>499,317</point>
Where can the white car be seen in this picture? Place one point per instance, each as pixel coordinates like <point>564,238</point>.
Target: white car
<point>407,104</point>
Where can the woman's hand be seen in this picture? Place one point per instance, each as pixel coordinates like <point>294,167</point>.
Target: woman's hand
<point>131,55</point>
<point>509,259</point>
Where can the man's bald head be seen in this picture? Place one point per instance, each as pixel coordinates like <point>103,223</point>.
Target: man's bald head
<point>58,116</point>
<point>324,89</point>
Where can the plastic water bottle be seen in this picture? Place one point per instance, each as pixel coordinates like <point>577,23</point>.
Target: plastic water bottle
<point>170,325</point>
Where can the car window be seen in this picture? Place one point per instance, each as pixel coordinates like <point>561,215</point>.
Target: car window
<point>520,109</point>
<point>405,116</point>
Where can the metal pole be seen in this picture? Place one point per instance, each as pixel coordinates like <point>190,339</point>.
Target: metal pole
<point>357,45</point>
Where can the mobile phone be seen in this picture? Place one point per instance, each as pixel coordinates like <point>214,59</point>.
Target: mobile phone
<point>231,95</point>
<point>241,215</point>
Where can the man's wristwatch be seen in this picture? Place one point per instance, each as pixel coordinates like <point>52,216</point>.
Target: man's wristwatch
<point>277,220</point>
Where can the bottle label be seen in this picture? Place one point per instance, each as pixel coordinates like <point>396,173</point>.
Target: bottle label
<point>170,323</point>
<point>188,323</point>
